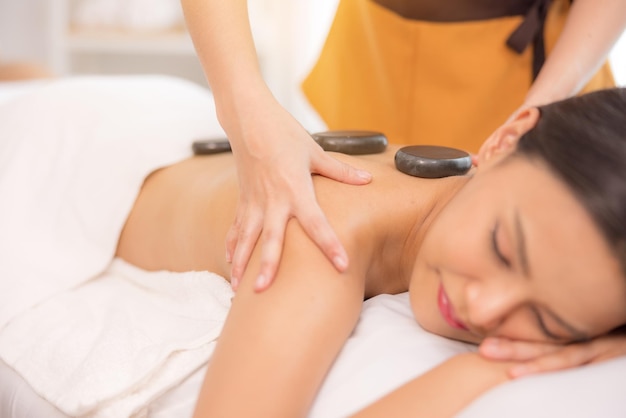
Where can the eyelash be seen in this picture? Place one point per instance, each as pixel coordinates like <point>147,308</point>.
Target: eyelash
<point>496,249</point>
<point>542,325</point>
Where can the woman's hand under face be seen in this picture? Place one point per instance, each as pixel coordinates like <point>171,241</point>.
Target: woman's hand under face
<point>275,158</point>
<point>547,357</point>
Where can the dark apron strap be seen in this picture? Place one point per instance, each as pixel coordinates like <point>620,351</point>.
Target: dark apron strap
<point>532,30</point>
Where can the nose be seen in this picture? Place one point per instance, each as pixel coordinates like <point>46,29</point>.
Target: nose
<point>490,302</point>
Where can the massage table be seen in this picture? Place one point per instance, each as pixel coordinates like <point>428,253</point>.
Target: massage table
<point>83,334</point>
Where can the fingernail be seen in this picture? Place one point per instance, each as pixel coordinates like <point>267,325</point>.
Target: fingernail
<point>490,348</point>
<point>229,257</point>
<point>494,349</point>
<point>234,282</point>
<point>340,263</point>
<point>365,175</point>
<point>261,282</point>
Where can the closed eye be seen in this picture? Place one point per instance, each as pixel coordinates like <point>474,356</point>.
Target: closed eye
<point>544,329</point>
<point>496,247</point>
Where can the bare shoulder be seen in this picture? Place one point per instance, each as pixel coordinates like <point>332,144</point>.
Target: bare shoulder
<point>373,218</point>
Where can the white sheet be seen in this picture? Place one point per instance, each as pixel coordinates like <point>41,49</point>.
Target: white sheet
<point>10,90</point>
<point>18,400</point>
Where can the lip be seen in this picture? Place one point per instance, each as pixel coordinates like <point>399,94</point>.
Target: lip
<point>447,311</point>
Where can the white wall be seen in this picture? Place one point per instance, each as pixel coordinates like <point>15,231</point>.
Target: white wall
<point>307,24</point>
<point>618,60</point>
<point>23,29</point>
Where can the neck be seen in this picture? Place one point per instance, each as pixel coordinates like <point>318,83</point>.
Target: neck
<point>400,252</point>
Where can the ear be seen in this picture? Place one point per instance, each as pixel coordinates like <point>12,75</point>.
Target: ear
<point>504,139</point>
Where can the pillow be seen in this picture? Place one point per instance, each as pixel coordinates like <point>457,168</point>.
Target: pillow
<point>389,348</point>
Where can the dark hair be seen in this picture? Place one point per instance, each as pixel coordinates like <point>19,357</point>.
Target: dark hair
<point>583,141</point>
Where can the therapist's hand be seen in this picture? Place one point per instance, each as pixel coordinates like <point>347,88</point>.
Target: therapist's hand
<point>544,357</point>
<point>275,160</point>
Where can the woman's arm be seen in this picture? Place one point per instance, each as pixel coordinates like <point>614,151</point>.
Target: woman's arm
<point>591,30</point>
<point>277,346</point>
<point>275,156</point>
<point>443,391</point>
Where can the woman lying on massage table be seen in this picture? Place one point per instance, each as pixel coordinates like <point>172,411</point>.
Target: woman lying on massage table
<point>531,247</point>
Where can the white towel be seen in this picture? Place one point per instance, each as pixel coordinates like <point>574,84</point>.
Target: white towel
<point>112,345</point>
<point>73,156</point>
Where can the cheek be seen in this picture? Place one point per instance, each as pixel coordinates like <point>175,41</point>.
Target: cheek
<point>458,243</point>
<point>461,231</point>
<point>457,246</point>
<point>426,311</point>
<point>521,325</point>
<point>423,294</point>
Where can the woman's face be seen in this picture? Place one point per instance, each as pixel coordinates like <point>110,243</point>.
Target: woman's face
<point>515,255</point>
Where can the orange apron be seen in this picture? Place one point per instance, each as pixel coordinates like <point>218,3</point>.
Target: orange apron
<point>423,82</point>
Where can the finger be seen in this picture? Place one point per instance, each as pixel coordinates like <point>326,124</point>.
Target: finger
<point>487,149</point>
<point>248,235</point>
<point>568,357</point>
<point>319,230</point>
<point>478,158</point>
<point>334,169</point>
<point>609,347</point>
<point>505,349</point>
<point>232,236</point>
<point>272,238</point>
<point>475,160</point>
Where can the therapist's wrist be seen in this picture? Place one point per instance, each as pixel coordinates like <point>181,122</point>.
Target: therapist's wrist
<point>546,89</point>
<point>238,105</point>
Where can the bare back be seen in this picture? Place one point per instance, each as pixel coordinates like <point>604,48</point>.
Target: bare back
<point>183,212</point>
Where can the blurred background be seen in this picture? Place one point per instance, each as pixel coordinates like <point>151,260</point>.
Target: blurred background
<point>148,36</point>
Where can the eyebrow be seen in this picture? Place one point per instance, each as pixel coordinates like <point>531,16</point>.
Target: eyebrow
<point>522,255</point>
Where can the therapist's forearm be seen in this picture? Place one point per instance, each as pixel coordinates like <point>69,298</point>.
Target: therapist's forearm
<point>221,33</point>
<point>591,29</point>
